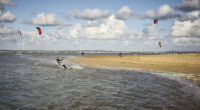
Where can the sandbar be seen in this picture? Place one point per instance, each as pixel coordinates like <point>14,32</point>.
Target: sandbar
<point>171,63</point>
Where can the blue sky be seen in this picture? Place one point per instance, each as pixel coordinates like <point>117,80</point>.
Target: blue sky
<point>100,25</point>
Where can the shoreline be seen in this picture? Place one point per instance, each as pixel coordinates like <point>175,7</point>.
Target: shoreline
<point>169,63</point>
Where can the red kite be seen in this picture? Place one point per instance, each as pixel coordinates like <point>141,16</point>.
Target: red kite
<point>155,21</point>
<point>39,30</point>
<point>19,32</point>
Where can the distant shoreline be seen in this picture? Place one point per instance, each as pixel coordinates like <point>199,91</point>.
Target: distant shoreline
<point>171,63</point>
<point>98,52</point>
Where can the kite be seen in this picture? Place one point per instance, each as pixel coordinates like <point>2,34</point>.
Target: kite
<point>155,21</point>
<point>39,30</point>
<point>19,32</point>
<point>159,44</point>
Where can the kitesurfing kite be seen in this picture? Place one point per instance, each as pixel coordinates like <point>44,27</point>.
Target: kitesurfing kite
<point>39,30</point>
<point>159,44</point>
<point>155,21</point>
<point>19,32</point>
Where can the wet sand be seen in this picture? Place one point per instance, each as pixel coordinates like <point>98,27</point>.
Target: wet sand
<point>172,63</point>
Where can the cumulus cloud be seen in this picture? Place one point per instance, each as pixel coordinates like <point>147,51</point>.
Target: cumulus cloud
<point>110,28</point>
<point>190,16</point>
<point>186,33</point>
<point>7,30</point>
<point>186,28</point>
<point>189,5</point>
<point>163,12</point>
<point>47,20</point>
<point>4,3</point>
<point>149,29</point>
<point>149,14</point>
<point>7,17</point>
<point>126,42</point>
<point>91,14</point>
<point>185,41</point>
<point>92,24</point>
<point>125,13</point>
<point>61,33</point>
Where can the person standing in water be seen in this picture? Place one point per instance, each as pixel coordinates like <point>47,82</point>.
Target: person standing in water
<point>120,54</point>
<point>82,53</point>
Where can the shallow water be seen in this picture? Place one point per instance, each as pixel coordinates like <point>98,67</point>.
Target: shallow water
<point>35,81</point>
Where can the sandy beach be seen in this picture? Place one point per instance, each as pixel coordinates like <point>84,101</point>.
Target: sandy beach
<point>171,63</point>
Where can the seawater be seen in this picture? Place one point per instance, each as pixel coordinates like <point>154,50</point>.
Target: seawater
<point>37,82</point>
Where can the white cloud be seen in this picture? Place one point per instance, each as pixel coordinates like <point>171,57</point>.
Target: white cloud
<point>185,41</point>
<point>163,12</point>
<point>6,2</point>
<point>190,16</point>
<point>189,5</point>
<point>149,14</point>
<point>110,28</point>
<point>126,42</point>
<point>91,14</point>
<point>149,29</point>
<point>186,33</point>
<point>186,28</point>
<point>92,24</point>
<point>7,30</point>
<point>7,17</point>
<point>125,13</point>
<point>113,29</point>
<point>47,20</point>
<point>61,33</point>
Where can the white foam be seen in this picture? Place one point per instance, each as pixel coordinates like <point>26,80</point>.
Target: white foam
<point>76,67</point>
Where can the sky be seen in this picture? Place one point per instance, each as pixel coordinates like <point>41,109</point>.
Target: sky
<point>117,25</point>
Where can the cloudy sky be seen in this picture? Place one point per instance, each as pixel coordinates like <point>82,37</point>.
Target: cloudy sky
<point>125,25</point>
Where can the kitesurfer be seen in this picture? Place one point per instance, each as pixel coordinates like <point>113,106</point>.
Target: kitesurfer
<point>59,61</point>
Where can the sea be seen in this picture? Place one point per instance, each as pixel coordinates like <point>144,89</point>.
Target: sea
<point>34,81</point>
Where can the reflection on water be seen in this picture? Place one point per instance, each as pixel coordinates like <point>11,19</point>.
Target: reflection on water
<point>36,82</point>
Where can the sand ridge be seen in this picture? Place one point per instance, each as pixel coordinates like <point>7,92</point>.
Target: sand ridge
<point>172,63</point>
